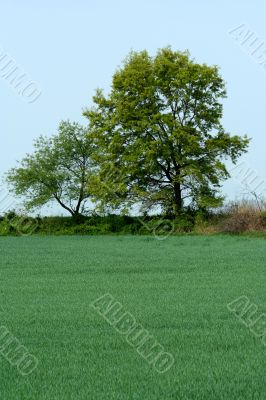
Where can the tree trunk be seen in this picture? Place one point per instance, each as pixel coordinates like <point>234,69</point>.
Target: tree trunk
<point>63,205</point>
<point>178,204</point>
<point>78,218</point>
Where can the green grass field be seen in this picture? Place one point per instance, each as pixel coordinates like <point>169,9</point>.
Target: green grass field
<point>178,289</point>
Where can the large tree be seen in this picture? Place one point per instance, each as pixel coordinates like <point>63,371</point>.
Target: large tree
<point>58,170</point>
<point>160,129</point>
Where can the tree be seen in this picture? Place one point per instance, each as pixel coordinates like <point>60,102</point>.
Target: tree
<point>58,170</point>
<point>160,128</point>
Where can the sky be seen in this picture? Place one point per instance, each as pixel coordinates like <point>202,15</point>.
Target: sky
<point>70,48</point>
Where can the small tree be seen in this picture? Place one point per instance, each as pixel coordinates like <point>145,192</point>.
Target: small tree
<point>58,170</point>
<point>160,128</point>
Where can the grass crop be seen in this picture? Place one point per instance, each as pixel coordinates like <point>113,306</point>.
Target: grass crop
<point>178,289</point>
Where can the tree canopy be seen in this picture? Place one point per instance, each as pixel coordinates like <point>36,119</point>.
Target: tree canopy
<point>156,140</point>
<point>160,130</point>
<point>58,170</point>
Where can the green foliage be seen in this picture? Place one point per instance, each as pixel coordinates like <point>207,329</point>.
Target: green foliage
<point>158,136</point>
<point>58,170</point>
<point>185,223</point>
<point>92,225</point>
<point>234,221</point>
<point>263,216</point>
<point>6,229</point>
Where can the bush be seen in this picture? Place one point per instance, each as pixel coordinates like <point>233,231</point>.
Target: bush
<point>263,219</point>
<point>242,218</point>
<point>237,218</point>
<point>16,224</point>
<point>184,223</point>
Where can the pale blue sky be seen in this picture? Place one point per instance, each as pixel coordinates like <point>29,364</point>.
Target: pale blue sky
<point>72,47</point>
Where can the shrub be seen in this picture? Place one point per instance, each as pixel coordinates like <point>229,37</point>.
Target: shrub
<point>242,218</point>
<point>263,219</point>
<point>184,223</point>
